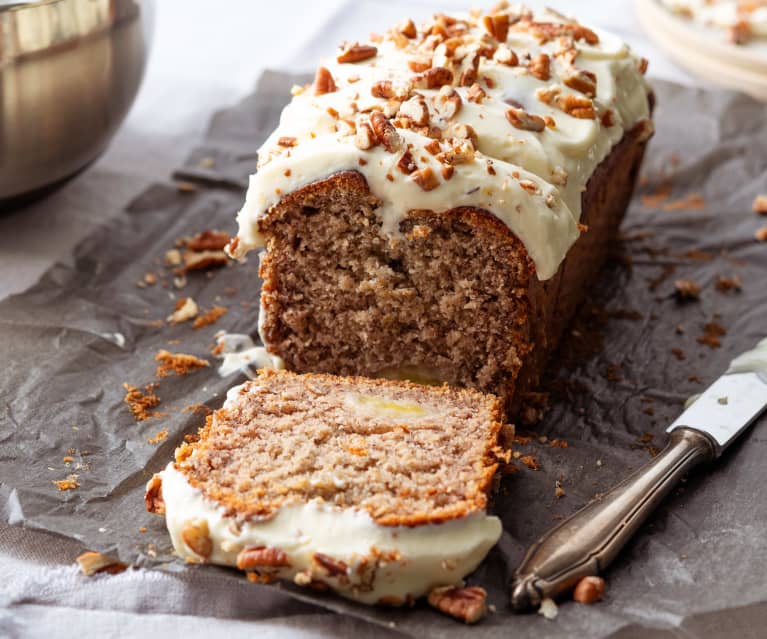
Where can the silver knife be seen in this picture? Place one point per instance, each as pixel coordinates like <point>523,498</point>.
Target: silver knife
<point>585,543</point>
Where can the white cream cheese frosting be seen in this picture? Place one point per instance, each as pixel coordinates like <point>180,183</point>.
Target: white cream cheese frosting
<point>573,93</point>
<point>390,564</point>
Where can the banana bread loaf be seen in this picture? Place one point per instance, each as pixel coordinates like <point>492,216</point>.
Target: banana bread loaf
<point>437,204</point>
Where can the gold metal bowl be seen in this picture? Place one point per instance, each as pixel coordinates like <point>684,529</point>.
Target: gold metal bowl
<point>69,71</point>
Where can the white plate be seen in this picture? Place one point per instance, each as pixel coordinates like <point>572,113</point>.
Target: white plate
<point>706,52</point>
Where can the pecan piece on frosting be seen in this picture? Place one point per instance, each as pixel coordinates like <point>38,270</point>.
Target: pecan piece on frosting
<point>153,496</point>
<point>323,82</point>
<point>476,93</point>
<point>465,604</point>
<point>416,110</point>
<point>540,67</point>
<point>521,119</point>
<point>425,178</point>
<point>583,81</point>
<point>576,106</point>
<point>406,164</point>
<point>434,78</point>
<point>408,29</point>
<point>365,138</point>
<point>385,131</point>
<point>497,25</point>
<point>448,102</point>
<point>356,52</point>
<point>196,535</point>
<point>254,557</point>
<point>333,567</point>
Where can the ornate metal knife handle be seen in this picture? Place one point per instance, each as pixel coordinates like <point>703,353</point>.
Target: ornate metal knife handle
<point>585,543</point>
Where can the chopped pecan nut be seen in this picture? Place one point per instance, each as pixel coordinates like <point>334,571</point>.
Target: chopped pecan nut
<point>529,186</point>
<point>94,562</point>
<point>687,289</point>
<point>407,29</point>
<point>504,55</point>
<point>252,558</point>
<point>356,52</point>
<point>540,67</point>
<point>419,65</point>
<point>465,604</point>
<point>385,131</point>
<point>761,234</point>
<point>406,163</point>
<point>583,81</point>
<point>448,102</point>
<point>201,260</point>
<point>740,32</point>
<point>521,119</point>
<point>416,110</point>
<point>425,178</point>
<point>476,94</point>
<point>333,567</point>
<point>468,77</point>
<point>435,78</point>
<point>208,240</point>
<point>576,106</point>
<point>589,590</point>
<point>287,140</point>
<point>546,31</point>
<point>153,496</point>
<point>196,536</point>
<point>466,132</point>
<point>497,25</point>
<point>365,138</point>
<point>323,82</point>
<point>382,89</point>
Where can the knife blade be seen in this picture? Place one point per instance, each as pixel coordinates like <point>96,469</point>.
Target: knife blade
<point>585,543</point>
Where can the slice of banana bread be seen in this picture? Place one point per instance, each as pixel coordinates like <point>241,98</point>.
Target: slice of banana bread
<point>373,488</point>
<point>439,202</point>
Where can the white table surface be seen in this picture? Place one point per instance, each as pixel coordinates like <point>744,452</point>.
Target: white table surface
<point>224,50</point>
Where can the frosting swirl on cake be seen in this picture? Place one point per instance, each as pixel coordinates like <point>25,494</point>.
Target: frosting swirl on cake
<point>509,112</point>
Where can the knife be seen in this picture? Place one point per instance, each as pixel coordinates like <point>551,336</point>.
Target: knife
<point>585,543</point>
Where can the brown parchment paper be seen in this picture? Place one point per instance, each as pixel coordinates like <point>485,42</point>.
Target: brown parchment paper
<point>698,568</point>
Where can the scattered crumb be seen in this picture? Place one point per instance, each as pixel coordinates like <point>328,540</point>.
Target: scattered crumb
<point>761,234</point>
<point>186,187</point>
<point>142,529</point>
<point>70,483</point>
<point>699,256</point>
<point>208,240</point>
<point>657,197</point>
<point>724,284</point>
<point>559,492</point>
<point>548,609</point>
<point>140,402</point>
<point>589,590</point>
<point>723,400</point>
<point>679,329</point>
<point>150,278</point>
<point>759,205</point>
<point>68,459</point>
<point>687,289</point>
<point>599,463</point>
<point>210,317</point>
<point>531,462</point>
<point>179,281</point>
<point>693,201</point>
<point>201,260</point>
<point>558,443</point>
<point>94,562</point>
<point>678,353</point>
<point>158,437</point>
<point>178,363</point>
<point>207,163</point>
<point>197,408</point>
<point>173,257</point>
<point>186,309</point>
<point>711,334</point>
